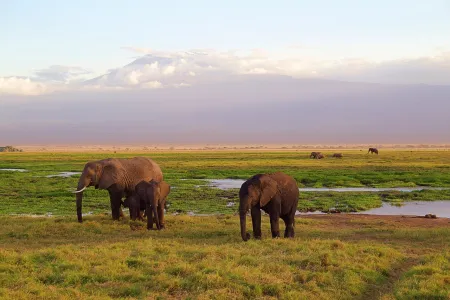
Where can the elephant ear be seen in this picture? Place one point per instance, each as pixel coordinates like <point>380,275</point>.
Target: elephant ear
<point>165,189</point>
<point>140,189</point>
<point>109,177</point>
<point>269,188</point>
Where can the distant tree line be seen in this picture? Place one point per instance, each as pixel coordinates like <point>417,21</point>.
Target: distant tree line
<point>10,149</point>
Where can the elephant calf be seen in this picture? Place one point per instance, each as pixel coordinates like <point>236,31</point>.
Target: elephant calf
<point>135,205</point>
<point>153,195</point>
<point>276,194</point>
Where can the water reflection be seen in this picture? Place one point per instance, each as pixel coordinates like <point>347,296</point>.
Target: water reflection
<point>414,208</point>
<point>14,170</point>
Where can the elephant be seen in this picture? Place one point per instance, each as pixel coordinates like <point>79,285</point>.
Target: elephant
<point>134,204</point>
<point>337,155</point>
<point>153,194</point>
<point>276,194</point>
<point>373,150</point>
<point>314,154</point>
<point>117,175</point>
<point>320,156</point>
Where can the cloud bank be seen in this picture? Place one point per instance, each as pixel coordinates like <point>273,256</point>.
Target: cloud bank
<point>175,69</point>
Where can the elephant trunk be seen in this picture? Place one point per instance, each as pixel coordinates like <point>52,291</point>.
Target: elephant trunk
<point>244,234</point>
<point>82,184</point>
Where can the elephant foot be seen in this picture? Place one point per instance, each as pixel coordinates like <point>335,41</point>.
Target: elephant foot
<point>275,234</point>
<point>247,237</point>
<point>257,236</point>
<point>289,233</point>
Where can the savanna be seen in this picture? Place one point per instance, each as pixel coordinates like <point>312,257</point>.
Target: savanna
<point>46,254</point>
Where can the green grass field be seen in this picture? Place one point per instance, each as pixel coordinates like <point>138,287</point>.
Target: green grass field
<point>332,257</point>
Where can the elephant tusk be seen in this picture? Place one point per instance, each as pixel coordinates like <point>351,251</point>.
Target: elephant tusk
<point>80,190</point>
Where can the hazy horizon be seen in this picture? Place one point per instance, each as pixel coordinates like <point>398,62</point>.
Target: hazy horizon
<point>243,73</point>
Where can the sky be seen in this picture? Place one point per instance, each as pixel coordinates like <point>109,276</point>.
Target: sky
<point>57,51</point>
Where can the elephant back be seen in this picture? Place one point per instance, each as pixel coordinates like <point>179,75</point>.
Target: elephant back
<point>141,168</point>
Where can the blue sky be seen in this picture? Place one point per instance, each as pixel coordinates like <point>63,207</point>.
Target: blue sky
<point>91,34</point>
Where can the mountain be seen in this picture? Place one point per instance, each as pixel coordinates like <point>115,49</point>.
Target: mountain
<point>242,109</point>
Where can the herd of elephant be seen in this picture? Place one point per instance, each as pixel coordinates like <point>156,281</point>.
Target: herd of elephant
<point>319,155</point>
<point>140,181</point>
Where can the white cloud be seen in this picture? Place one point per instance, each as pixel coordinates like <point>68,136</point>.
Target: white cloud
<point>179,85</point>
<point>133,77</point>
<point>21,86</point>
<point>152,85</point>
<point>165,69</point>
<point>171,69</point>
<point>61,74</point>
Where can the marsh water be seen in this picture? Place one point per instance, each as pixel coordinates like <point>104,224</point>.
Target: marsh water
<point>63,174</point>
<point>412,208</point>
<point>14,170</point>
<point>409,208</point>
<point>226,184</point>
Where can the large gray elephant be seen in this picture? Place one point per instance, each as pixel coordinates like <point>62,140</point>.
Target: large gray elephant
<point>117,175</point>
<point>276,194</point>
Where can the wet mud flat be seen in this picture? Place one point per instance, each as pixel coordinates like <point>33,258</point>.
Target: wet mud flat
<point>363,220</point>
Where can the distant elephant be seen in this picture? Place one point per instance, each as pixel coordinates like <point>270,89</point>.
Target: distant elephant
<point>276,194</point>
<point>117,175</point>
<point>373,150</point>
<point>337,155</point>
<point>153,194</point>
<point>314,154</point>
<point>320,156</point>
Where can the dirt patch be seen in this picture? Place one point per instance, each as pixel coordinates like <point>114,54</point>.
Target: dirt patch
<point>384,290</point>
<point>352,221</point>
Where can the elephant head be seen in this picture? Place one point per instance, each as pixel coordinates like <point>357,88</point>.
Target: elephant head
<point>255,192</point>
<point>99,174</point>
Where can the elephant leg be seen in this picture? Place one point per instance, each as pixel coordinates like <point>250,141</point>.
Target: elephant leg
<point>141,215</point>
<point>130,208</point>
<point>274,224</point>
<point>122,215</point>
<point>115,198</point>
<point>155,213</point>
<point>286,223</point>
<point>289,222</point>
<point>161,214</point>
<point>148,211</point>
<point>256,221</point>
